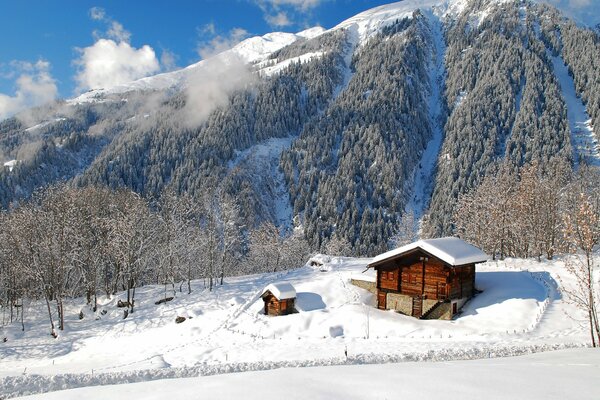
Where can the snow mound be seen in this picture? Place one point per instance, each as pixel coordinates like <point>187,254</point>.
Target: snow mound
<point>281,290</point>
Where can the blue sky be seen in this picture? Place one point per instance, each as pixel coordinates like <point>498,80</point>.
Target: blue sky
<point>60,48</point>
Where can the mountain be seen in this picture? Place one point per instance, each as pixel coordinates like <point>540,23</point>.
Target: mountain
<point>399,109</point>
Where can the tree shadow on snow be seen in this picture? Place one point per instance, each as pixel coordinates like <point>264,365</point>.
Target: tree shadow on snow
<point>307,301</point>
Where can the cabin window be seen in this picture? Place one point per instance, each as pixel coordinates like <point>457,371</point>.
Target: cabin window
<point>391,275</point>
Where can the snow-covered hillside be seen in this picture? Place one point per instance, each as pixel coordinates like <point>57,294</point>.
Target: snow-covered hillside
<point>520,310</point>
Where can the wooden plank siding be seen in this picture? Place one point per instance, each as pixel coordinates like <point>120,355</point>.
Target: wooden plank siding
<point>274,306</point>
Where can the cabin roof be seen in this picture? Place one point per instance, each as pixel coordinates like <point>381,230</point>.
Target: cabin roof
<point>451,250</point>
<point>281,290</point>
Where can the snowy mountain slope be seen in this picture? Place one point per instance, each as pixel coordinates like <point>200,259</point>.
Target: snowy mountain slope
<point>264,157</point>
<point>362,119</point>
<point>422,182</point>
<point>258,48</point>
<point>547,376</point>
<point>250,51</point>
<point>585,144</point>
<point>372,21</point>
<point>520,310</point>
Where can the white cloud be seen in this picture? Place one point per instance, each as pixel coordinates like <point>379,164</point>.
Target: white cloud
<point>112,60</point>
<point>34,86</point>
<point>219,43</point>
<point>107,63</point>
<point>168,60</point>
<point>299,4</point>
<point>210,86</point>
<point>279,19</point>
<point>97,13</point>
<point>118,33</point>
<point>277,13</point>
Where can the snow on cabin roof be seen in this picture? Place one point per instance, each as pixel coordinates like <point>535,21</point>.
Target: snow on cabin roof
<point>281,290</point>
<point>451,250</point>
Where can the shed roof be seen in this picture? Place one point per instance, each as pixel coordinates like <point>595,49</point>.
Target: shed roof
<point>451,250</point>
<point>281,290</point>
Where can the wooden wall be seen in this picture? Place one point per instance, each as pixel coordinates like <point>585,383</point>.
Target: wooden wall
<point>431,279</point>
<point>274,306</point>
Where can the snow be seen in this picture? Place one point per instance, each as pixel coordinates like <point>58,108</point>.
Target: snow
<point>423,175</point>
<point>452,250</point>
<point>281,290</point>
<point>311,33</point>
<point>372,21</point>
<point>584,141</point>
<point>262,160</point>
<point>11,164</point>
<point>460,98</point>
<point>43,124</point>
<point>280,66</point>
<point>260,47</point>
<point>556,375</point>
<point>521,310</point>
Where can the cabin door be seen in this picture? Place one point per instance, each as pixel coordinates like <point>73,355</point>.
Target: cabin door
<point>417,310</point>
<point>381,303</point>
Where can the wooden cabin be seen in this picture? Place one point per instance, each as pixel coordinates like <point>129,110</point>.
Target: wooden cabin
<point>428,279</point>
<point>279,299</point>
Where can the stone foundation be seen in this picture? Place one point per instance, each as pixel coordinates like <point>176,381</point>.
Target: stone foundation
<point>439,309</point>
<point>399,302</point>
<point>370,286</point>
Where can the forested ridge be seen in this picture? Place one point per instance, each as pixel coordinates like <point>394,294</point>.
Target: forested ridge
<point>347,128</point>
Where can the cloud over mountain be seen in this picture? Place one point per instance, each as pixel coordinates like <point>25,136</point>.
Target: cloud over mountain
<point>112,59</point>
<point>34,86</point>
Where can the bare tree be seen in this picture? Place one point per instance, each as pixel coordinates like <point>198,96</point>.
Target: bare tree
<point>582,234</point>
<point>132,239</point>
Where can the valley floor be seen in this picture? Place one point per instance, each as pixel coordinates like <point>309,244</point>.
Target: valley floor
<point>520,311</point>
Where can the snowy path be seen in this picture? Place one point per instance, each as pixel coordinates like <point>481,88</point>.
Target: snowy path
<point>585,143</point>
<point>424,173</point>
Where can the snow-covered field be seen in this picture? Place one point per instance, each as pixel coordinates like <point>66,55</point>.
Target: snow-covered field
<point>521,310</point>
<point>560,375</point>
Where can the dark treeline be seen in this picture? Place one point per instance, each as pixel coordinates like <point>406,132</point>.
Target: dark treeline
<point>67,242</point>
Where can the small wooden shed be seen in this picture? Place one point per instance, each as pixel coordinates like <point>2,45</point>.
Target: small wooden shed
<point>429,279</point>
<point>279,299</point>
